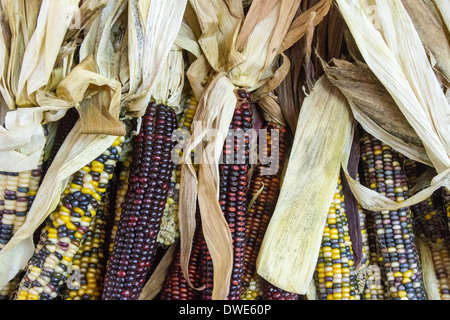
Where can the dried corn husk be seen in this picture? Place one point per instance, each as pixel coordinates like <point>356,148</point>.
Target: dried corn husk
<point>394,53</point>
<point>153,29</point>
<point>291,244</point>
<point>396,56</point>
<point>432,33</point>
<point>444,11</point>
<point>42,50</point>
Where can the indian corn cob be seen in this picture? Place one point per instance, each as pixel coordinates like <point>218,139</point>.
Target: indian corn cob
<point>335,273</point>
<point>441,261</point>
<point>176,286</point>
<point>259,214</point>
<point>400,265</point>
<point>89,262</point>
<point>169,224</point>
<point>150,171</point>
<point>233,173</point>
<point>17,193</point>
<point>429,220</point>
<point>67,226</point>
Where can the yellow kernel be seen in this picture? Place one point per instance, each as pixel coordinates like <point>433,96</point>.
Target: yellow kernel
<point>402,294</point>
<point>86,219</point>
<point>116,142</point>
<point>408,273</point>
<point>71,226</point>
<point>96,196</point>
<point>78,235</point>
<point>79,211</point>
<point>86,191</point>
<point>337,295</point>
<point>75,186</point>
<point>64,209</point>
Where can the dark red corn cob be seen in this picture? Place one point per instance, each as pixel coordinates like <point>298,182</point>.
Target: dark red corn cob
<point>150,171</point>
<point>271,292</point>
<point>233,189</point>
<point>176,286</point>
<point>258,216</point>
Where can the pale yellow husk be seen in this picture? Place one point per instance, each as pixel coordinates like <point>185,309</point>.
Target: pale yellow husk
<point>290,247</point>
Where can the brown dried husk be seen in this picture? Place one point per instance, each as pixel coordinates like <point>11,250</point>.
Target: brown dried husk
<point>394,53</point>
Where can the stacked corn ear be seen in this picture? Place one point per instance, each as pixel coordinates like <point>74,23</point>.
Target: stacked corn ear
<point>67,226</point>
<point>17,193</point>
<point>261,210</point>
<point>335,273</point>
<point>176,286</point>
<point>233,188</point>
<point>254,290</point>
<point>399,258</point>
<point>150,171</point>
<point>169,230</point>
<point>88,265</point>
<point>368,275</point>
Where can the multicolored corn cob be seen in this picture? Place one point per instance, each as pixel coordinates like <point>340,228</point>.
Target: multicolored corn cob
<point>88,264</point>
<point>233,188</point>
<point>335,273</point>
<point>254,290</point>
<point>441,262</point>
<point>67,227</point>
<point>150,171</point>
<point>259,214</point>
<point>169,230</point>
<point>400,265</point>
<point>17,193</point>
<point>16,197</point>
<point>271,292</point>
